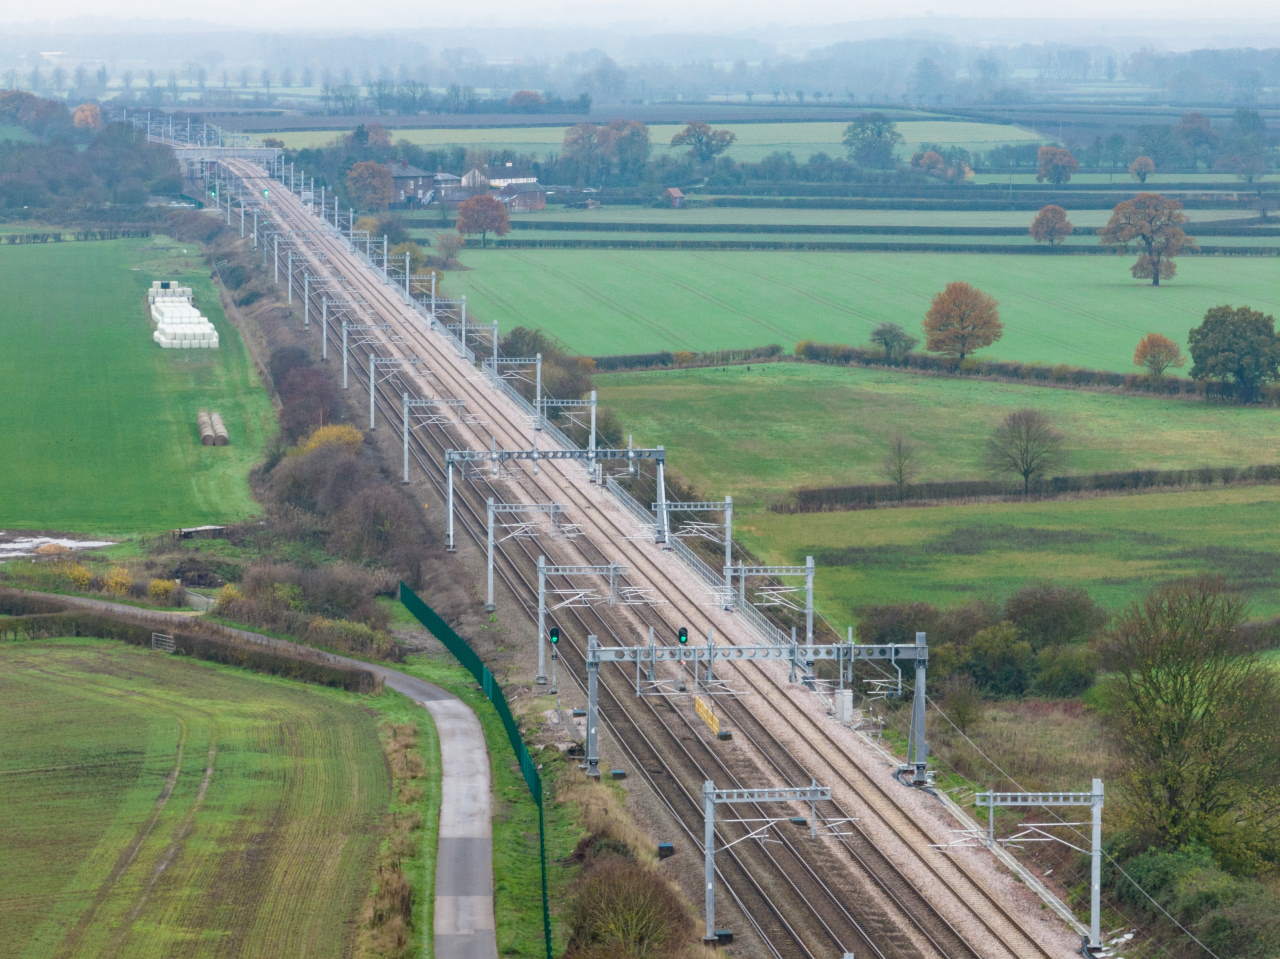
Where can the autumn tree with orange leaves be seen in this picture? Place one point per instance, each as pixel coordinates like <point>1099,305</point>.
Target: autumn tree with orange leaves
<point>483,214</point>
<point>1051,225</point>
<point>370,185</point>
<point>1154,223</point>
<point>1056,164</point>
<point>1141,168</point>
<point>1157,353</point>
<point>960,320</point>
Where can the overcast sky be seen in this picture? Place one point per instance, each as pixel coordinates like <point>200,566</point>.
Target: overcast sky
<point>676,16</point>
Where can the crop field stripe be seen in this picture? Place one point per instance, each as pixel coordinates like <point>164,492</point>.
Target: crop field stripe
<point>262,769</point>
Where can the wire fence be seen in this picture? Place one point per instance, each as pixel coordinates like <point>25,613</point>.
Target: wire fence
<point>493,691</point>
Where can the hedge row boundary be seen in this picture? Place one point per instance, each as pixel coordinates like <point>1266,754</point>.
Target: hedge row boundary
<point>78,236</point>
<point>603,226</point>
<point>822,499</point>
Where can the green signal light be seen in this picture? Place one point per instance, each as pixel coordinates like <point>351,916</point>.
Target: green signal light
<point>682,635</point>
<point>555,635</point>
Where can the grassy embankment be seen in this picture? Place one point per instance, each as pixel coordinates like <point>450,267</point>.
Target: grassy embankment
<point>161,806</point>
<point>100,433</point>
<point>1082,311</point>
<point>754,141</point>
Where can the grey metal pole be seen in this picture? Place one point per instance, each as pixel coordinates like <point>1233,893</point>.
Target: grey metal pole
<point>404,435</point>
<point>709,857</point>
<point>290,277</point>
<point>663,519</point>
<point>344,354</point>
<point>433,297</point>
<point>406,274</point>
<point>324,204</point>
<point>728,552</point>
<point>919,703</point>
<point>494,340</point>
<point>591,441</point>
<point>373,379</point>
<point>448,529</point>
<point>324,327</point>
<point>541,677</point>
<point>386,264</point>
<point>489,606</point>
<point>306,301</point>
<point>537,391</point>
<point>255,228</point>
<point>592,745</point>
<point>351,225</point>
<point>1095,870</point>
<point>808,600</point>
<point>242,219</point>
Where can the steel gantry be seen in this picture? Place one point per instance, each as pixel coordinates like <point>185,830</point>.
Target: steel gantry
<point>758,829</point>
<point>574,596</point>
<point>495,457</point>
<point>1036,832</point>
<point>364,334</point>
<point>775,595</point>
<point>393,367</point>
<point>801,656</point>
<point>519,368</point>
<point>520,528</point>
<point>417,412</point>
<point>704,530</point>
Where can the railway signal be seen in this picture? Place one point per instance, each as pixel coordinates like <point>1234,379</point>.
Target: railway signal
<point>682,635</point>
<point>555,635</point>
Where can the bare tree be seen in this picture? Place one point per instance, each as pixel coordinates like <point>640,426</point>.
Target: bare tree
<point>901,463</point>
<point>1025,444</point>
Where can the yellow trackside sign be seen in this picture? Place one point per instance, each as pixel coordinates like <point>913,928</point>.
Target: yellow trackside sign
<point>701,707</point>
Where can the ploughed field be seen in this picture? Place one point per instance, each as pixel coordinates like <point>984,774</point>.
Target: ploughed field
<point>98,433</point>
<point>754,141</point>
<point>157,806</point>
<point>756,432</point>
<point>1077,310</point>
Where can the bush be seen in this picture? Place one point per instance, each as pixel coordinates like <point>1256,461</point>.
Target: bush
<point>79,576</point>
<point>623,909</point>
<point>118,581</point>
<point>999,662</point>
<point>1065,671</point>
<point>340,435</point>
<point>1049,615</point>
<point>162,591</point>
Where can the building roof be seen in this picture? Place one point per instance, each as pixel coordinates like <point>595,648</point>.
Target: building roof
<point>675,191</point>
<point>445,177</point>
<point>533,186</point>
<point>402,171</point>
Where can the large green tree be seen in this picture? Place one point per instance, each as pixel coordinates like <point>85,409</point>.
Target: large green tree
<point>1192,713</point>
<point>704,143</point>
<point>1237,345</point>
<point>871,140</point>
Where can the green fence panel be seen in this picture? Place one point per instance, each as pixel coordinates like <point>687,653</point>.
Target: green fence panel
<point>472,662</point>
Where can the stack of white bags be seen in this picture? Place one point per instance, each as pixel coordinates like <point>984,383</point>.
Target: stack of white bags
<point>179,325</point>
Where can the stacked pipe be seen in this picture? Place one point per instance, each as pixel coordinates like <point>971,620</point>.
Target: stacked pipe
<point>220,435</point>
<point>179,325</point>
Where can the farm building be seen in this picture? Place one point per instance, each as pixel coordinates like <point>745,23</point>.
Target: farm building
<point>523,197</point>
<point>674,196</point>
<point>410,186</point>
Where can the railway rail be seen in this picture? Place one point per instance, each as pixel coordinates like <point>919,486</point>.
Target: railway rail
<point>804,912</point>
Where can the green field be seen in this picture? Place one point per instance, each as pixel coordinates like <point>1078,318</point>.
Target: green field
<point>757,432</point>
<point>1079,310</point>
<point>157,806</point>
<point>779,215</point>
<point>754,141</point>
<point>99,434</point>
<point>944,239</point>
<point>1117,547</point>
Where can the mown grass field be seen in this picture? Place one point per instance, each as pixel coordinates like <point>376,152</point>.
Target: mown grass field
<point>754,141</point>
<point>756,432</point>
<point>156,806</point>
<point>98,433</point>
<point>930,218</point>
<point>945,239</point>
<point>1079,310</point>
<point>1117,547</point>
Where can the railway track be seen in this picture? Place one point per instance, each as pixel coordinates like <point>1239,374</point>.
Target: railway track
<point>810,916</point>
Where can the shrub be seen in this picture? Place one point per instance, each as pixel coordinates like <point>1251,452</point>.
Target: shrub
<point>339,434</point>
<point>1065,671</point>
<point>162,590</point>
<point>79,576</point>
<point>226,597</point>
<point>624,909</point>
<point>999,662</point>
<point>1049,615</point>
<point>118,581</point>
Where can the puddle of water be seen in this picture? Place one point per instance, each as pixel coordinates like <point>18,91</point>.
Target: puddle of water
<point>13,545</point>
